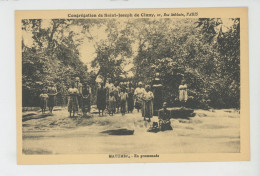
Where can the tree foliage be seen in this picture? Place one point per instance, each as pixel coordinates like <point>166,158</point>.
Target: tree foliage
<point>197,50</point>
<point>52,57</point>
<point>194,50</point>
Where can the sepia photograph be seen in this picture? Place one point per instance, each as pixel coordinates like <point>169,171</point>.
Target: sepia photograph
<point>126,87</point>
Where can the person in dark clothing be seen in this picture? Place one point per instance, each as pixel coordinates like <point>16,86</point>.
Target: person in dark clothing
<point>130,99</point>
<point>164,118</point>
<point>157,91</point>
<point>101,99</point>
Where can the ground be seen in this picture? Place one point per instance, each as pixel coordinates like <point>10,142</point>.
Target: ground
<point>210,131</point>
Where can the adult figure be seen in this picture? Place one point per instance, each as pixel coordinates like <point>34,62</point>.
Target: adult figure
<point>138,94</point>
<point>157,91</point>
<point>126,90</point>
<point>78,86</point>
<point>147,110</point>
<point>109,88</point>
<point>130,98</point>
<point>44,99</point>
<point>164,118</point>
<point>73,99</point>
<point>117,97</point>
<point>183,93</point>
<point>52,92</point>
<point>111,104</point>
<point>86,93</point>
<point>101,99</point>
<point>123,100</point>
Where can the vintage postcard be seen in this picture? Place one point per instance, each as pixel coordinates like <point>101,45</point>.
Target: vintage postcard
<point>132,85</point>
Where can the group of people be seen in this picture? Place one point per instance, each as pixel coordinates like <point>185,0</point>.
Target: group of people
<point>79,98</point>
<point>48,98</point>
<point>122,97</point>
<point>116,98</point>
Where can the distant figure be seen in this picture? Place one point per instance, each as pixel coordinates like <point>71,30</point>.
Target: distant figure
<point>157,91</point>
<point>138,94</point>
<point>183,93</point>
<point>116,94</point>
<point>123,99</point>
<point>111,104</point>
<point>164,118</point>
<point>101,99</point>
<point>109,88</point>
<point>86,92</point>
<point>78,86</point>
<point>73,100</point>
<point>52,92</point>
<point>147,110</point>
<point>44,97</point>
<point>130,99</point>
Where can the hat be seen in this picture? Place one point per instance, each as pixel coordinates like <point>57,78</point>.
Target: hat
<point>140,83</point>
<point>77,79</point>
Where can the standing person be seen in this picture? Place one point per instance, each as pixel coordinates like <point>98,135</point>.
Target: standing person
<point>73,99</point>
<point>123,98</point>
<point>130,98</point>
<point>157,91</point>
<point>78,86</point>
<point>86,92</point>
<point>116,94</point>
<point>52,92</point>
<point>110,88</point>
<point>138,94</point>
<point>101,99</point>
<point>183,93</point>
<point>147,110</point>
<point>111,104</point>
<point>44,98</point>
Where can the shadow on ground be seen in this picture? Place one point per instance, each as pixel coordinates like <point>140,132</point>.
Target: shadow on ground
<point>34,116</point>
<point>119,132</point>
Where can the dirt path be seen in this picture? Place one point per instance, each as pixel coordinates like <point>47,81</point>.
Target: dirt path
<point>211,132</point>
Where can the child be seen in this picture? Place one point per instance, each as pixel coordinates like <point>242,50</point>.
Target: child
<point>164,118</point>
<point>111,103</point>
<point>44,97</point>
<point>123,98</point>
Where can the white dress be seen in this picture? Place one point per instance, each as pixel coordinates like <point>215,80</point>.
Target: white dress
<point>138,94</point>
<point>183,93</point>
